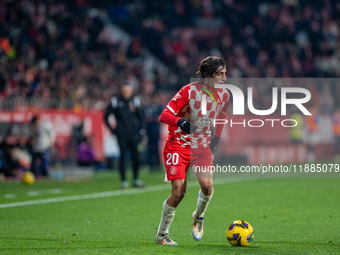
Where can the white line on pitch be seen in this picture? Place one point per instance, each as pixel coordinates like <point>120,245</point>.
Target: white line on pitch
<point>55,191</point>
<point>10,196</point>
<point>33,193</point>
<point>112,193</point>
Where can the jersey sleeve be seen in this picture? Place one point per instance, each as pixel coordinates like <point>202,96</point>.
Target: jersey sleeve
<point>222,115</point>
<point>180,100</point>
<point>168,118</point>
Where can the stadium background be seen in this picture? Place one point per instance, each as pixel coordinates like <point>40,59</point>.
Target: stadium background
<point>64,60</point>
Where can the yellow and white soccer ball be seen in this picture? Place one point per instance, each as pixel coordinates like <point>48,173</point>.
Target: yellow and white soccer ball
<point>240,233</point>
<point>28,178</point>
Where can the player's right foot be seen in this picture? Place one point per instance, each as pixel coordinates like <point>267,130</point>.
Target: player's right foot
<point>125,184</point>
<point>197,231</point>
<point>161,238</point>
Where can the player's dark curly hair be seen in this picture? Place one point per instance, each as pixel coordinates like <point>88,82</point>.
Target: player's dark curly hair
<point>208,66</point>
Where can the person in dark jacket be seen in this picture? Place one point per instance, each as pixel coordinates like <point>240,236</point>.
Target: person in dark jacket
<point>126,109</point>
<point>152,126</point>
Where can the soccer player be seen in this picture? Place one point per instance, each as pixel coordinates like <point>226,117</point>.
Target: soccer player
<point>189,142</point>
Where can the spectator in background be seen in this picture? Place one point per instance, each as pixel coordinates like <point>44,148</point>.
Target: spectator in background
<point>312,134</point>
<point>21,154</point>
<point>62,48</point>
<point>85,153</point>
<point>77,136</point>
<point>296,132</point>
<point>336,131</point>
<point>8,166</point>
<point>126,109</point>
<point>79,133</point>
<point>152,126</point>
<point>41,140</point>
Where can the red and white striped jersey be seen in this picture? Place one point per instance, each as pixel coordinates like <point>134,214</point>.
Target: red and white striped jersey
<point>186,104</point>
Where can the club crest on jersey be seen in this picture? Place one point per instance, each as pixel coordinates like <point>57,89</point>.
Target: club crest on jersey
<point>218,107</point>
<point>173,170</point>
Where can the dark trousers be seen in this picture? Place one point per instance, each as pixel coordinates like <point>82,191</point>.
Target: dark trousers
<point>153,152</point>
<point>128,144</point>
<point>336,145</point>
<point>40,163</point>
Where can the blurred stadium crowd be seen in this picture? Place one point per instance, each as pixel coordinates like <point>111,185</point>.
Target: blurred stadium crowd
<point>76,53</point>
<point>60,50</point>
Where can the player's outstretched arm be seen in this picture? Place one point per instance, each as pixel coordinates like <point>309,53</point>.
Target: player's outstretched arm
<point>167,117</point>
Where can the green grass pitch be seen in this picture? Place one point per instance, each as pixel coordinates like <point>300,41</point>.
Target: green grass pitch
<point>289,216</point>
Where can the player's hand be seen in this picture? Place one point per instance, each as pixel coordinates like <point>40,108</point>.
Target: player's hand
<point>186,126</point>
<point>214,142</point>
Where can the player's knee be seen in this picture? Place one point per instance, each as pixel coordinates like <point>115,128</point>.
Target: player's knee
<point>207,186</point>
<point>178,196</point>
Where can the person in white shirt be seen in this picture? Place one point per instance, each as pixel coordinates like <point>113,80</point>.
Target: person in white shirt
<point>42,138</point>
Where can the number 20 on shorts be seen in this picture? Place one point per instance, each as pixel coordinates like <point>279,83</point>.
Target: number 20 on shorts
<point>172,158</point>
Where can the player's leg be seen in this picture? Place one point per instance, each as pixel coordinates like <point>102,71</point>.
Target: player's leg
<point>133,144</point>
<point>169,208</point>
<point>177,162</point>
<point>123,148</point>
<point>44,164</point>
<point>34,163</point>
<point>204,195</point>
<point>178,190</point>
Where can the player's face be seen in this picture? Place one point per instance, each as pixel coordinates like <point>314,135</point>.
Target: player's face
<point>126,92</point>
<point>220,75</point>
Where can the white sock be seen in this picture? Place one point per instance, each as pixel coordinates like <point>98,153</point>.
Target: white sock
<point>202,203</point>
<point>168,215</point>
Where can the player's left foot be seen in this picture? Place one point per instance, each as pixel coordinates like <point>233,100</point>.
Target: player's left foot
<point>197,231</point>
<point>138,183</point>
<point>161,238</point>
